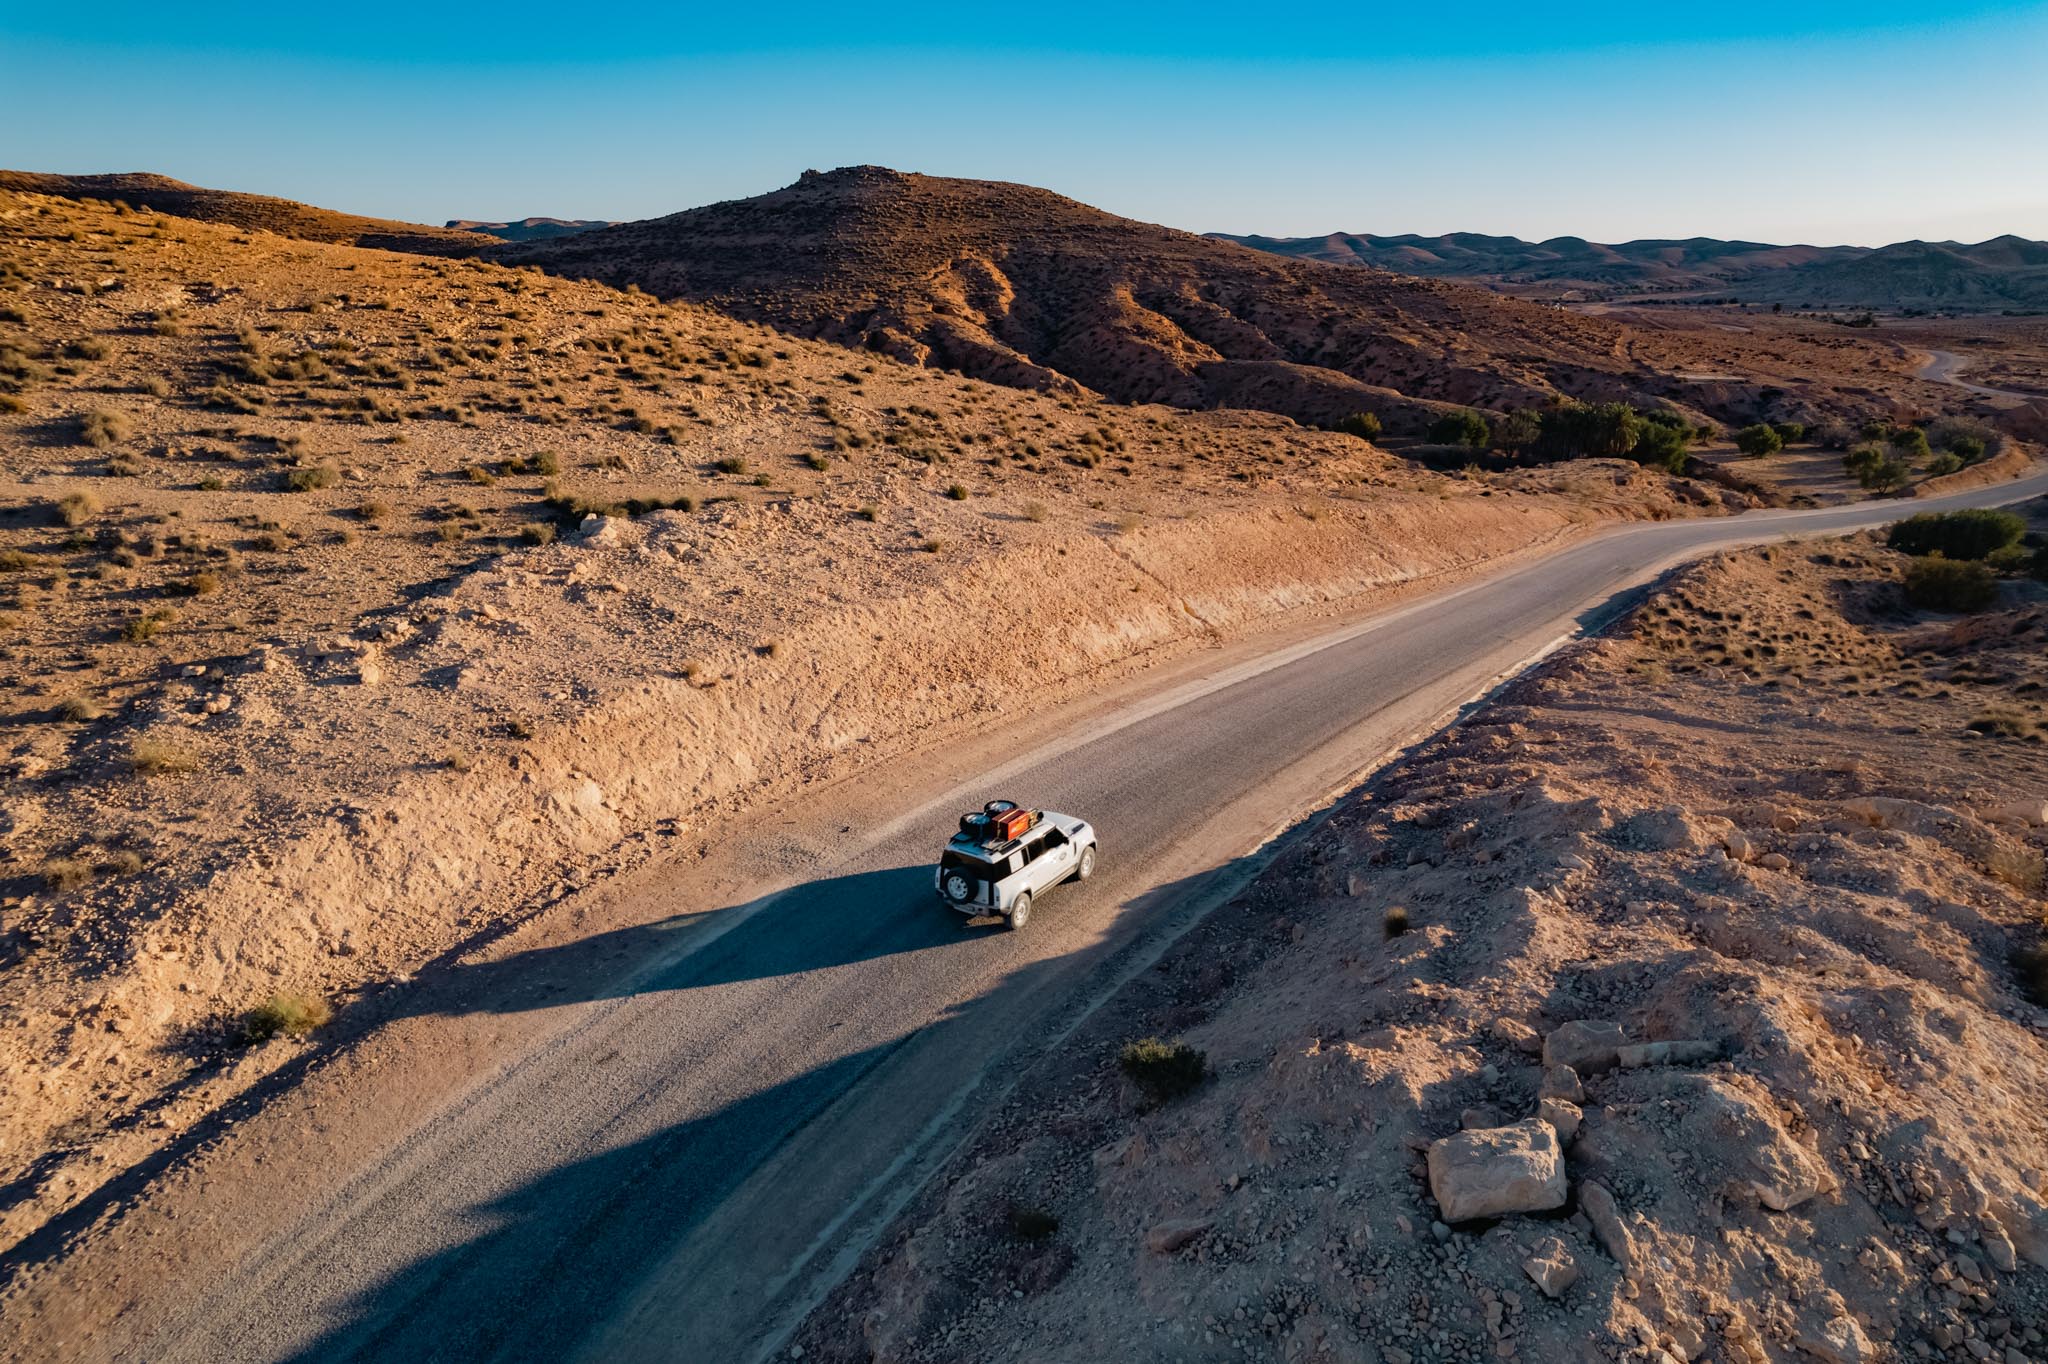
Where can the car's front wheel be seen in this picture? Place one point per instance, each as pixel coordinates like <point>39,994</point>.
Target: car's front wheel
<point>1020,910</point>
<point>1087,867</point>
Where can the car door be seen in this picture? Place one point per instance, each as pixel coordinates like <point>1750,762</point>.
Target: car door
<point>1057,859</point>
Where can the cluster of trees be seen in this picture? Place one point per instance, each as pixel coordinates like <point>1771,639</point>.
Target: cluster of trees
<point>1574,431</point>
<point>1882,462</point>
<point>1956,556</point>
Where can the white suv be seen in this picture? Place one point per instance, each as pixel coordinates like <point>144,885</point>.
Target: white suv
<point>1004,855</point>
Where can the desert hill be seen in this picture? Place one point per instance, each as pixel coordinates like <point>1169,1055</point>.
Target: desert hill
<point>2005,272</point>
<point>1025,287</point>
<point>528,229</point>
<point>256,212</point>
<point>295,571</point>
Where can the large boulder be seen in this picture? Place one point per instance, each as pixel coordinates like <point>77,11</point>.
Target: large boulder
<point>1496,1170</point>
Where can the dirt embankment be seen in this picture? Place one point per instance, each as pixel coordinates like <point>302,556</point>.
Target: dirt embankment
<point>1712,1017</point>
<point>649,678</point>
<point>2010,463</point>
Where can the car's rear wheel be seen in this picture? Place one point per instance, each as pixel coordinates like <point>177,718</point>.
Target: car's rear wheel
<point>1087,867</point>
<point>1020,910</point>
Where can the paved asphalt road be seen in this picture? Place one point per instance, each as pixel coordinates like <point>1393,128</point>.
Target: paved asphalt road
<point>705,1145</point>
<point>1946,367</point>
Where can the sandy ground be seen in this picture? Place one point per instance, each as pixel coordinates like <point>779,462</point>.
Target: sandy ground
<point>368,722</point>
<point>1776,813</point>
<point>303,691</point>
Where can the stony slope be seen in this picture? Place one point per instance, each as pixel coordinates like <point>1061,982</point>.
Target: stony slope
<point>1768,824</point>
<point>251,212</point>
<point>1022,286</point>
<point>297,690</point>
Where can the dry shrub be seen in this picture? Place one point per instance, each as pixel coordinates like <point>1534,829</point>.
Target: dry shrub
<point>100,428</point>
<point>308,477</point>
<point>2020,868</point>
<point>78,508</point>
<point>288,1013</point>
<point>66,873</point>
<point>154,757</point>
<point>1163,1070</point>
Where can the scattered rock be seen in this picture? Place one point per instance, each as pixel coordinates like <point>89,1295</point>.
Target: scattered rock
<point>1667,1053</point>
<point>1167,1237</point>
<point>1608,1228</point>
<point>1838,1341</point>
<point>1563,1115</point>
<point>1587,1047</point>
<point>1485,1173</point>
<point>2031,813</point>
<point>1551,1267</point>
<point>1562,1082</point>
<point>1517,1034</point>
<point>1668,829</point>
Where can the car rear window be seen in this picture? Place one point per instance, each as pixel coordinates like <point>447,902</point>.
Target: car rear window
<point>975,866</point>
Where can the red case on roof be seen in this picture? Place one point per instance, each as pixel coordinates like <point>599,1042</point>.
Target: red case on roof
<point>1014,823</point>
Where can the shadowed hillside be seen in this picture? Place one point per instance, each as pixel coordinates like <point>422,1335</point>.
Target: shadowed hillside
<point>1024,287</point>
<point>528,229</point>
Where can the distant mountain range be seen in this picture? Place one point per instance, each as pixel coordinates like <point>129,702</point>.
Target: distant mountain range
<point>2003,273</point>
<point>529,229</point>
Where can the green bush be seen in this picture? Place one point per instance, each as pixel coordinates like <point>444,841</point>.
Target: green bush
<point>1031,1224</point>
<point>1589,431</point>
<point>1163,1070</point>
<point>1940,584</point>
<point>1791,433</point>
<point>1911,443</point>
<point>1517,431</point>
<point>2030,964</point>
<point>1662,446</point>
<point>1966,437</point>
<point>1875,469</point>
<point>1364,425</point>
<point>1759,440</point>
<point>1974,533</point>
<point>1465,428</point>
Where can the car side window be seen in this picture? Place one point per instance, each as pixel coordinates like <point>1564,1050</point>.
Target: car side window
<point>1055,840</point>
<point>1033,850</point>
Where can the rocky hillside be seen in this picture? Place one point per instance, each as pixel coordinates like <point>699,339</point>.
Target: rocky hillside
<point>356,604</point>
<point>1024,287</point>
<point>1687,1004</point>
<point>251,212</point>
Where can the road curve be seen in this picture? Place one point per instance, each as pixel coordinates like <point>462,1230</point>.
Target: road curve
<point>1944,367</point>
<point>712,1127</point>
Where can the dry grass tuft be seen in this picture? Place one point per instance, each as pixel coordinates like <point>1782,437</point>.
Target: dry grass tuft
<point>155,757</point>
<point>288,1013</point>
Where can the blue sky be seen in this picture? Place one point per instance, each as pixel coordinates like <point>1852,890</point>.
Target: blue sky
<point>1811,122</point>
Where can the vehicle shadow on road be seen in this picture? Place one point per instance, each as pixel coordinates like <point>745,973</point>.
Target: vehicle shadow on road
<point>539,1263</point>
<point>562,1251</point>
<point>815,926</point>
